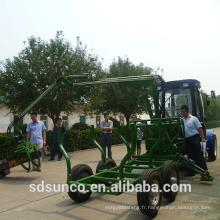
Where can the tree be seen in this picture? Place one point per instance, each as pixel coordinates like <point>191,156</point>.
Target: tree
<point>118,98</point>
<point>212,111</point>
<point>39,65</point>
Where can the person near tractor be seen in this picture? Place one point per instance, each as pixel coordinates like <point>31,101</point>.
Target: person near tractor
<point>106,134</point>
<point>36,133</point>
<point>194,135</point>
<point>139,136</point>
<point>56,148</point>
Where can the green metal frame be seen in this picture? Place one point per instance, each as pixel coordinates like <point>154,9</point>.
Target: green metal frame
<point>160,144</point>
<point>162,150</point>
<point>26,148</point>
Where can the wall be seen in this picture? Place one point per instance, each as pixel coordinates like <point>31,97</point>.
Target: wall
<point>6,118</point>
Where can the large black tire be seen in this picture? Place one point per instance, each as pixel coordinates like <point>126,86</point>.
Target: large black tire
<point>212,152</point>
<point>170,175</point>
<point>5,172</point>
<point>110,163</point>
<point>78,172</point>
<point>149,202</point>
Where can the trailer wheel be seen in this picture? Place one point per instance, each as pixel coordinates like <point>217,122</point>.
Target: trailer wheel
<point>148,200</point>
<point>5,172</point>
<point>170,175</point>
<point>212,152</point>
<point>110,163</point>
<point>78,172</point>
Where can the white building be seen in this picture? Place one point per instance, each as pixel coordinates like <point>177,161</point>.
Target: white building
<point>6,117</point>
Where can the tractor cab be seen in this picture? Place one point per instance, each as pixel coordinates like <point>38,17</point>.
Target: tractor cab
<point>183,92</point>
<point>174,94</point>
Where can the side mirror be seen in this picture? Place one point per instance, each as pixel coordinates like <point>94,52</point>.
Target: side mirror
<point>213,96</point>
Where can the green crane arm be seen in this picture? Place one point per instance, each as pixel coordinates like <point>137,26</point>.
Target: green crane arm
<point>138,82</point>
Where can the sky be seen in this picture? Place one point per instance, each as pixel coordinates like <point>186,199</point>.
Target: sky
<point>182,37</point>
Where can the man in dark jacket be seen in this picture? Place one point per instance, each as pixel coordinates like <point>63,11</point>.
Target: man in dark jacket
<point>55,141</point>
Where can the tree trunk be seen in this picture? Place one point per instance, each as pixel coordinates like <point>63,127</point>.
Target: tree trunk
<point>127,117</point>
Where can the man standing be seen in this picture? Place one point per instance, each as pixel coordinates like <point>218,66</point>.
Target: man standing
<point>36,133</point>
<point>106,135</point>
<point>194,135</point>
<point>139,136</point>
<point>55,140</point>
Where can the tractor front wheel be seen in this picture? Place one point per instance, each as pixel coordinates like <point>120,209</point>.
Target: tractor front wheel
<point>212,152</point>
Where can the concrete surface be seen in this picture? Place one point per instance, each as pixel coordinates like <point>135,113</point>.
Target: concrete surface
<point>17,202</point>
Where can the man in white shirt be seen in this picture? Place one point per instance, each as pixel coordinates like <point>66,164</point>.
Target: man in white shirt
<point>106,134</point>
<point>36,133</point>
<point>194,135</point>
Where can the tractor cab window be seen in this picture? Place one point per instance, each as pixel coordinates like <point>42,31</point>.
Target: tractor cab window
<point>175,98</point>
<point>198,103</point>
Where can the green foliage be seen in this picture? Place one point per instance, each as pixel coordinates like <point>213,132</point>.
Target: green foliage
<point>80,126</point>
<point>73,140</point>
<point>7,147</point>
<point>119,98</point>
<point>39,65</point>
<point>21,128</point>
<point>49,138</point>
<point>116,123</point>
<point>212,111</point>
<point>213,124</point>
<point>80,140</point>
